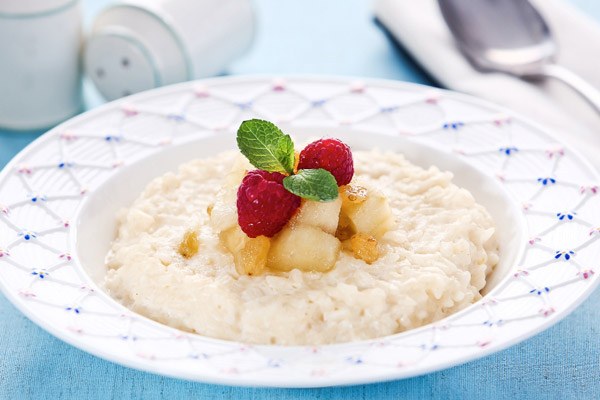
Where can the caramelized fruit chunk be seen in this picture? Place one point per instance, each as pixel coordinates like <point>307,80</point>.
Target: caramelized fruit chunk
<point>354,194</point>
<point>345,228</point>
<point>189,245</point>
<point>249,254</point>
<point>364,247</point>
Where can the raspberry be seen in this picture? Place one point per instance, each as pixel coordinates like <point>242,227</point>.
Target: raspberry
<point>329,154</point>
<point>264,206</point>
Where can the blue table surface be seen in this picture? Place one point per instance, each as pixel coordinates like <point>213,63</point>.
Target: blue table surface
<point>335,37</point>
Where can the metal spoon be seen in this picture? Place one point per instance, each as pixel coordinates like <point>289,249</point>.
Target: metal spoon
<point>510,36</point>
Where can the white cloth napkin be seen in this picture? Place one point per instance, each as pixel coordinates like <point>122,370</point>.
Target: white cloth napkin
<point>419,26</point>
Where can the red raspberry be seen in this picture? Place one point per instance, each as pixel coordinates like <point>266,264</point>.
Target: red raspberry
<point>264,206</point>
<point>332,155</point>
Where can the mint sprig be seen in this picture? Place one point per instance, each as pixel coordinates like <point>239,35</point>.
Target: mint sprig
<point>269,149</point>
<point>265,146</point>
<point>312,184</point>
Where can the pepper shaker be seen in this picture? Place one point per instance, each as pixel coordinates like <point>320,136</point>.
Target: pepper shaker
<point>138,45</point>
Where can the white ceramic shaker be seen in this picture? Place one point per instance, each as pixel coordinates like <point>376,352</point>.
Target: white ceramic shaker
<point>142,44</point>
<point>40,74</point>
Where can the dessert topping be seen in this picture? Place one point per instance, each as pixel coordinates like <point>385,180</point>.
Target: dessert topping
<point>189,245</point>
<point>364,247</point>
<point>331,155</point>
<point>354,193</point>
<point>269,196</point>
<point>264,206</point>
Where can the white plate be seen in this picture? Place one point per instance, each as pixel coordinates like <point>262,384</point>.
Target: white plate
<point>59,196</point>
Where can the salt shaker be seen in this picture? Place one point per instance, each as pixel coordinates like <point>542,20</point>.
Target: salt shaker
<point>40,75</point>
<point>138,45</point>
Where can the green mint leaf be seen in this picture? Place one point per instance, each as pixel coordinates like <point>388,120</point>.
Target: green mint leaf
<point>312,184</point>
<point>265,146</point>
<point>286,155</point>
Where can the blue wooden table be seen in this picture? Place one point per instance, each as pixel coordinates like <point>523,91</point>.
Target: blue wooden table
<point>335,37</point>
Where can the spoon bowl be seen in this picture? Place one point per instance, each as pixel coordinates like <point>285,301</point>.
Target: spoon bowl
<point>510,36</point>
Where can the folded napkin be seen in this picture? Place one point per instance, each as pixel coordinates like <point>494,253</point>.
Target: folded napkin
<point>420,28</point>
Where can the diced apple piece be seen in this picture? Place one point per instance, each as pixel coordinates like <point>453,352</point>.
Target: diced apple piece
<point>305,247</point>
<point>320,215</point>
<point>249,254</point>
<point>372,216</point>
<point>234,239</point>
<point>252,259</point>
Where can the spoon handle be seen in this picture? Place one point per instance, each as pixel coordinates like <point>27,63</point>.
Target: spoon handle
<point>587,91</point>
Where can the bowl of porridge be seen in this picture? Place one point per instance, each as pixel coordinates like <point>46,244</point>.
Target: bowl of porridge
<point>422,246</point>
<point>377,230</point>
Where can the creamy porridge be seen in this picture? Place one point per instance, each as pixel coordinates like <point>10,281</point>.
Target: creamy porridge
<point>433,261</point>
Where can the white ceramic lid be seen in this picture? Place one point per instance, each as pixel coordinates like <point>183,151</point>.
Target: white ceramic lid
<point>119,63</point>
<point>25,7</point>
<point>155,57</point>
